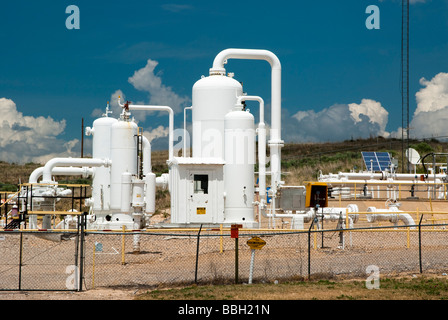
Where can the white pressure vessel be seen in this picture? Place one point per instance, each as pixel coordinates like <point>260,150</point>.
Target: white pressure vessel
<point>123,156</point>
<point>213,97</point>
<point>101,144</point>
<point>239,168</point>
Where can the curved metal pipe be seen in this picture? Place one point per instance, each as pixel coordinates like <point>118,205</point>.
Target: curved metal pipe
<point>171,120</point>
<point>275,141</point>
<point>61,171</point>
<point>71,162</point>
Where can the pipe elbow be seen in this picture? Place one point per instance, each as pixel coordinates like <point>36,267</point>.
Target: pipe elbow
<point>256,54</point>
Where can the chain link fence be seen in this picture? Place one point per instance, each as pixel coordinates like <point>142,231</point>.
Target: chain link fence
<point>53,260</point>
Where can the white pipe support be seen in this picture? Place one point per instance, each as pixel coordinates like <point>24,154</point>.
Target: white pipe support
<point>71,162</point>
<point>184,150</point>
<point>392,215</point>
<point>171,121</point>
<point>275,141</point>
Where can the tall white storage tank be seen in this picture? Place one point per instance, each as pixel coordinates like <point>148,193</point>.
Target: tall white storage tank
<point>123,156</point>
<point>213,97</point>
<point>101,145</point>
<point>239,167</point>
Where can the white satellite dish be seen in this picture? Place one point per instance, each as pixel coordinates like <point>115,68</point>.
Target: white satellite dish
<point>413,156</point>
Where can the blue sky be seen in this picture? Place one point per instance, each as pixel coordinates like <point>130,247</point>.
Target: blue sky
<point>334,69</point>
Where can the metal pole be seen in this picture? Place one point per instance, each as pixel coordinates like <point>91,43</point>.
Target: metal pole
<point>251,271</point>
<point>236,260</point>
<point>420,243</point>
<point>123,242</point>
<point>309,250</point>
<point>82,137</point>
<point>81,262</point>
<point>20,260</point>
<point>197,256</point>
<point>322,233</point>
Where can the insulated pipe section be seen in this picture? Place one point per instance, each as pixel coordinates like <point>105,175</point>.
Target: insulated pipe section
<point>381,176</point>
<point>69,162</point>
<point>61,171</point>
<point>275,141</point>
<point>163,181</point>
<point>392,215</point>
<point>261,144</point>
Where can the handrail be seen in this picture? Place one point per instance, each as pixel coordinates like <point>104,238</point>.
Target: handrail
<point>4,203</point>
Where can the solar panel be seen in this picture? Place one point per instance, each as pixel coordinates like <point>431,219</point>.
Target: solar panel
<point>376,161</point>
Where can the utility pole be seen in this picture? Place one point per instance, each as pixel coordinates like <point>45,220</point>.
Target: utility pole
<point>82,138</point>
<point>404,83</point>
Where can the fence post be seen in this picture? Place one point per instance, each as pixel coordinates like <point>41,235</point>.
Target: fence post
<point>20,259</point>
<point>309,250</point>
<point>197,256</point>
<point>420,243</point>
<point>82,257</point>
<point>123,248</point>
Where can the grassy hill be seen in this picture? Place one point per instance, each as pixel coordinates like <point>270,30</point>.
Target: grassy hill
<point>300,161</point>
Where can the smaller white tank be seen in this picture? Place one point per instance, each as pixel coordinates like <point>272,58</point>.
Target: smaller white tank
<point>239,141</point>
<point>101,144</point>
<point>123,156</point>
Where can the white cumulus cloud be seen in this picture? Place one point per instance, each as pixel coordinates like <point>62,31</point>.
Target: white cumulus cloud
<point>431,115</point>
<point>145,79</point>
<point>339,122</point>
<point>31,139</point>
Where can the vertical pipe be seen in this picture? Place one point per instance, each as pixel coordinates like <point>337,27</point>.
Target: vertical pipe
<point>184,150</point>
<point>261,144</point>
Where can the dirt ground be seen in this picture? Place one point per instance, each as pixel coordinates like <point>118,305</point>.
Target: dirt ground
<point>93,294</point>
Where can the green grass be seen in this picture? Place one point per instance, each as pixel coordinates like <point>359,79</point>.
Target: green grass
<point>405,288</point>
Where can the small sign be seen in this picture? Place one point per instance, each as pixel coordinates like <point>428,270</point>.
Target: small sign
<point>98,247</point>
<point>256,243</point>
<point>200,210</point>
<point>234,230</point>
